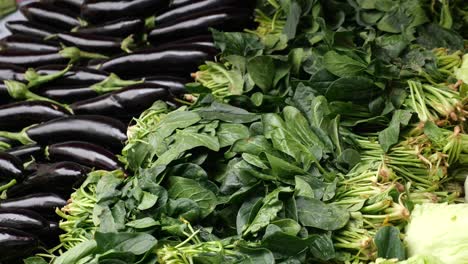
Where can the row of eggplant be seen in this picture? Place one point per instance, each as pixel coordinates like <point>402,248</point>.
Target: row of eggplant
<point>73,75</point>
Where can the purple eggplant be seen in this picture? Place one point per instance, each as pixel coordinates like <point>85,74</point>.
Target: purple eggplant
<point>59,178</point>
<point>43,203</point>
<point>50,15</point>
<point>30,29</point>
<point>105,131</point>
<point>130,101</point>
<point>181,59</point>
<point>26,43</point>
<point>16,244</point>
<point>11,72</point>
<point>102,11</point>
<point>121,28</point>
<point>10,167</point>
<point>27,152</point>
<point>83,153</point>
<point>17,116</point>
<point>192,24</point>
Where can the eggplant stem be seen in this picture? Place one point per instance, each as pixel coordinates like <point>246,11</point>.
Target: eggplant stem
<point>8,185</point>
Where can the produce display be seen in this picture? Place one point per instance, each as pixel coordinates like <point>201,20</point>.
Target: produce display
<point>224,131</point>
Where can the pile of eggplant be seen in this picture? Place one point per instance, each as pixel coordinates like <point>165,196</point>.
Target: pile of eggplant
<point>72,77</point>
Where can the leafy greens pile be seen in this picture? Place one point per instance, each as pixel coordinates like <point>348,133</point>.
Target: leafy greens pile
<point>311,140</point>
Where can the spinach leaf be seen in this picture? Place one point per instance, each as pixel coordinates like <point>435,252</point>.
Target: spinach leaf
<point>314,213</point>
<point>342,65</point>
<point>135,243</point>
<point>270,208</point>
<point>389,244</point>
<point>187,188</point>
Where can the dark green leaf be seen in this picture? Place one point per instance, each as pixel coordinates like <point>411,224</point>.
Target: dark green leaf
<point>135,243</point>
<point>237,43</point>
<point>342,65</point>
<point>314,213</point>
<point>191,189</point>
<point>389,244</point>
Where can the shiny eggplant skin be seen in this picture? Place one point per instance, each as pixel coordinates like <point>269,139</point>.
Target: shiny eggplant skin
<point>27,152</point>
<point>129,101</point>
<point>101,11</point>
<point>74,5</point>
<point>177,3</point>
<point>227,19</point>
<point>175,84</point>
<point>59,178</point>
<point>26,43</point>
<point>5,97</point>
<point>120,28</point>
<point>102,130</point>
<point>30,29</point>
<point>83,153</point>
<point>11,72</point>
<point>68,94</point>
<point>175,13</point>
<point>50,15</point>
<point>181,59</point>
<point>32,59</point>
<point>16,244</point>
<point>75,76</point>
<point>16,116</point>
<point>91,43</point>
<point>43,203</point>
<point>11,142</point>
<point>25,220</point>
<point>11,167</point>
<point>201,40</point>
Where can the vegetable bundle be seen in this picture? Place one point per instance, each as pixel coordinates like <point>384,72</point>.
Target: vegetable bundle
<point>308,135</point>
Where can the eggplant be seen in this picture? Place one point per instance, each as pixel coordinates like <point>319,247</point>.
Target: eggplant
<point>25,220</point>
<point>27,152</point>
<point>181,59</point>
<point>74,5</point>
<point>59,178</point>
<point>75,76</point>
<point>226,19</point>
<point>11,167</point>
<point>202,40</point>
<point>101,11</point>
<point>11,72</point>
<point>26,43</point>
<point>30,29</point>
<point>50,15</point>
<point>175,84</point>
<point>5,97</point>
<point>93,43</point>
<point>83,153</point>
<point>17,116</point>
<point>192,7</point>
<point>16,244</point>
<point>129,102</point>
<point>43,203</point>
<point>178,3</point>
<point>68,94</point>
<point>36,59</point>
<point>32,59</point>
<point>102,130</point>
<point>121,28</point>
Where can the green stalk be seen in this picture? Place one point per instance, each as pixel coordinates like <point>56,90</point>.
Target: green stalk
<point>34,79</point>
<point>75,54</point>
<point>20,91</point>
<point>7,186</point>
